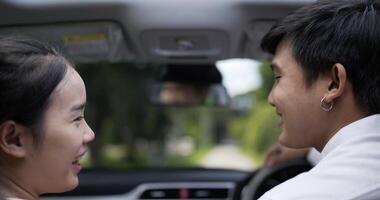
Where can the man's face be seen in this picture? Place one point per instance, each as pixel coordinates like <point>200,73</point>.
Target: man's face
<point>301,118</point>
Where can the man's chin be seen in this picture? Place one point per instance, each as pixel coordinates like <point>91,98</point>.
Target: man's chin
<point>286,141</point>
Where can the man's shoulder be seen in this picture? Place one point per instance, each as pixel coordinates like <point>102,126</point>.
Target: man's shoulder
<point>295,188</point>
<point>333,178</point>
<point>370,193</point>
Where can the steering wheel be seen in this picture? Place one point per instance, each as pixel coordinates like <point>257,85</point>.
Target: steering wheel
<point>268,177</point>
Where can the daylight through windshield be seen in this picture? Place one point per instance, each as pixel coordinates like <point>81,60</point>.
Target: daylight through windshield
<point>133,132</point>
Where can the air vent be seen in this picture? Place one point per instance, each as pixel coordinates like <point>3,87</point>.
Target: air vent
<point>181,191</point>
<point>161,194</point>
<point>185,193</point>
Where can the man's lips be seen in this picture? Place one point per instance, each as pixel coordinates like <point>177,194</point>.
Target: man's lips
<point>278,113</point>
<point>280,116</point>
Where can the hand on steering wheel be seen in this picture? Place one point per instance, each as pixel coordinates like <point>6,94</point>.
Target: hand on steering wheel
<point>268,177</point>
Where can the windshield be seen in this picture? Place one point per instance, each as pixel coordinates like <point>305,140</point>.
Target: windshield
<point>132,132</point>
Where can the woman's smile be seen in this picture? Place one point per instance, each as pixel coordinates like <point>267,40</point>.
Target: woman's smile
<point>76,166</point>
<point>76,163</point>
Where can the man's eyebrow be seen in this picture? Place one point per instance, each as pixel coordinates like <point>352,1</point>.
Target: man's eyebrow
<point>274,67</point>
<point>78,107</point>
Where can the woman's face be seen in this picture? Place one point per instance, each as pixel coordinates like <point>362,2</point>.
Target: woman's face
<point>301,118</point>
<point>53,166</point>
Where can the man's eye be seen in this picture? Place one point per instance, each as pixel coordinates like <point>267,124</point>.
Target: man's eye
<point>277,77</point>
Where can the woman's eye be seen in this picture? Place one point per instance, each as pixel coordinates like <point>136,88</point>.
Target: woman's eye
<point>78,118</point>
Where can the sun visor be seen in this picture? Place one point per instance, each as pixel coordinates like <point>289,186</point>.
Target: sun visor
<point>87,42</point>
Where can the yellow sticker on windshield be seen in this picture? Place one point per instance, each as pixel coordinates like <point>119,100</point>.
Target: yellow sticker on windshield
<point>86,44</point>
<point>85,37</point>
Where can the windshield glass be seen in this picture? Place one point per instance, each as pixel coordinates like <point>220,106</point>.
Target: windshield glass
<point>133,132</point>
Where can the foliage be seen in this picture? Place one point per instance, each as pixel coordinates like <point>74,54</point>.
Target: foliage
<point>189,160</point>
<point>131,132</point>
<point>267,81</point>
<point>119,111</point>
<point>263,129</point>
<point>257,130</point>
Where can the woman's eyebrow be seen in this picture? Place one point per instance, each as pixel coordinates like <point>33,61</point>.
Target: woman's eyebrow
<point>78,107</point>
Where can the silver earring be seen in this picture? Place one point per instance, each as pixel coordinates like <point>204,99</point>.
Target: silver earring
<point>326,106</point>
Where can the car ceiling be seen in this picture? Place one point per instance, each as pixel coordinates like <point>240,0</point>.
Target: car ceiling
<point>220,29</point>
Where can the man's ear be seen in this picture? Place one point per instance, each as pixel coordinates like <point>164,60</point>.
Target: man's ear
<point>12,139</point>
<point>337,84</point>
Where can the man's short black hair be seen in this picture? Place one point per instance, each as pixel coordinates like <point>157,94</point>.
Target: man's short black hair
<point>336,31</point>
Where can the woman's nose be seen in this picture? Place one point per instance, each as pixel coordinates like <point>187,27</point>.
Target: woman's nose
<point>89,135</point>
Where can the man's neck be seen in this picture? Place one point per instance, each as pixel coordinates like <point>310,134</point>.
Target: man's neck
<point>341,120</point>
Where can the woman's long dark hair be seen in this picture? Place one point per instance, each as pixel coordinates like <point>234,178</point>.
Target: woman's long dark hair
<point>29,72</point>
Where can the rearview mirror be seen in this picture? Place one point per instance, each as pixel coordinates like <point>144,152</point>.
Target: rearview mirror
<point>189,94</point>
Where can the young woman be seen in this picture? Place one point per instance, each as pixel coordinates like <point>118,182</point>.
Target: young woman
<point>43,134</point>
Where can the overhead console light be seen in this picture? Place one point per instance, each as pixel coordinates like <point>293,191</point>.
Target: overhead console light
<point>185,45</point>
<point>84,42</point>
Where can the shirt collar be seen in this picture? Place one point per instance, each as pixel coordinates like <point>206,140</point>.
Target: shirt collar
<point>357,128</point>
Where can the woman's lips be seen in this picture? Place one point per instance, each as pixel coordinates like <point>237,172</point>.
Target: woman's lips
<point>75,164</point>
<point>81,154</point>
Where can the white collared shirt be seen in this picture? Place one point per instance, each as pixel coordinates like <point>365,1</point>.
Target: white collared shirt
<point>349,169</point>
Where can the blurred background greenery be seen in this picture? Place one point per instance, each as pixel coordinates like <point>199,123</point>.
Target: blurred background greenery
<point>132,132</point>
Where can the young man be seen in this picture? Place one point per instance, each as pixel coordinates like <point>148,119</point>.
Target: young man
<point>327,94</point>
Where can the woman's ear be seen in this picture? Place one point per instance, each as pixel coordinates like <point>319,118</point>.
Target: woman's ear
<point>12,139</point>
<point>337,84</point>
